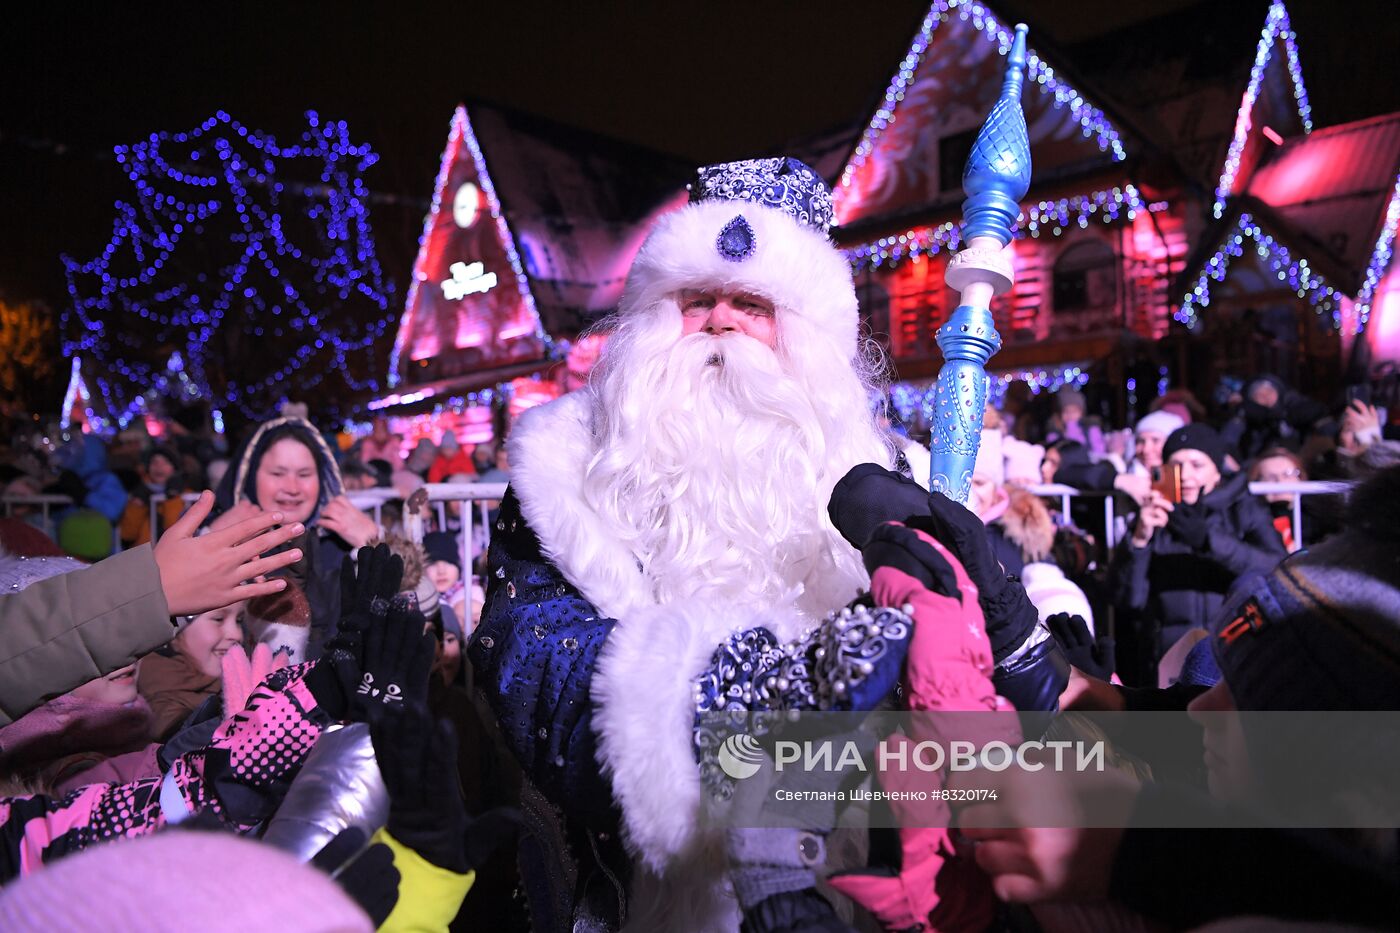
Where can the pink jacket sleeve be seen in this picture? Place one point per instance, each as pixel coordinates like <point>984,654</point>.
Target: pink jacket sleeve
<point>948,670</point>
<point>239,777</point>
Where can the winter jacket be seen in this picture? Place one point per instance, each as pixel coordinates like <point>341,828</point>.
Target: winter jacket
<point>86,457</point>
<point>1181,587</point>
<point>62,632</point>
<point>135,524</point>
<point>445,466</point>
<point>174,688</point>
<point>239,777</point>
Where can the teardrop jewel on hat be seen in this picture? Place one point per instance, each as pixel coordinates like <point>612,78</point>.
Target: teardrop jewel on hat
<point>736,241</point>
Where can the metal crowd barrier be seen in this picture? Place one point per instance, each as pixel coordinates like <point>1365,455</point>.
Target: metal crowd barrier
<point>439,494</point>
<point>373,500</point>
<point>45,502</point>
<point>1295,489</point>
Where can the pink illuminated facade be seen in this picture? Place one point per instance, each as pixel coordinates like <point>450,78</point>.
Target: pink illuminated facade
<point>1124,264</point>
<point>532,229</point>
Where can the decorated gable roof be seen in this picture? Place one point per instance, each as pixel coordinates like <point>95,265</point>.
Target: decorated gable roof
<point>937,101</point>
<point>532,229</point>
<point>1193,89</point>
<point>1332,187</point>
<point>1321,213</point>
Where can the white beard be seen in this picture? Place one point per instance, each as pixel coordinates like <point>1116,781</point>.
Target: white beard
<point>714,469</point>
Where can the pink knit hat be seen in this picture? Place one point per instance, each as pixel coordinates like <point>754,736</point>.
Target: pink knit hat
<point>180,880</point>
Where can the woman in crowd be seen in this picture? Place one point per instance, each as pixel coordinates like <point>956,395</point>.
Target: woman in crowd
<point>286,466</point>
<point>1280,465</point>
<point>1182,557</point>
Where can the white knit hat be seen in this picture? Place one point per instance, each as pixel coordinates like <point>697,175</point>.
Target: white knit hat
<point>1159,422</point>
<point>1050,591</point>
<point>989,462</point>
<point>1022,460</point>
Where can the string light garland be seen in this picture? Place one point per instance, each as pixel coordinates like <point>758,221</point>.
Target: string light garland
<point>1296,272</point>
<point>276,242</point>
<point>1045,217</point>
<point>1380,259</point>
<point>910,398</point>
<point>1276,29</point>
<point>1092,121</point>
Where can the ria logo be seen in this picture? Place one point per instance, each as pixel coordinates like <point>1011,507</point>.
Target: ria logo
<point>740,756</point>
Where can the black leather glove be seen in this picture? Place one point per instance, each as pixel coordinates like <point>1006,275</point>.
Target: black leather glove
<point>870,495</point>
<point>366,874</point>
<point>1093,656</point>
<point>1190,524</point>
<point>897,547</point>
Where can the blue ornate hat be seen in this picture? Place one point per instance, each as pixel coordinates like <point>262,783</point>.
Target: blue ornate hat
<point>783,184</point>
<point>760,226</point>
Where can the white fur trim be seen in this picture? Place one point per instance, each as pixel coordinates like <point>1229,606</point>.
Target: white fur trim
<point>795,267</point>
<point>644,691</point>
<point>291,639</point>
<point>920,461</point>
<point>549,449</point>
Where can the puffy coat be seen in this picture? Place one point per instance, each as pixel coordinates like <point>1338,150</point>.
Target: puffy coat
<point>240,777</point>
<point>1182,587</point>
<point>63,631</point>
<point>86,457</point>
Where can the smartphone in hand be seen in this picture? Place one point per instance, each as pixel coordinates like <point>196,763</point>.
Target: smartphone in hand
<point>1166,479</point>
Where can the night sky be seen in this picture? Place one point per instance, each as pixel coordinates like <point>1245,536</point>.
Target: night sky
<point>707,81</point>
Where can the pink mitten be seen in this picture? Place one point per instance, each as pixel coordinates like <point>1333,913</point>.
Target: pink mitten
<point>242,676</point>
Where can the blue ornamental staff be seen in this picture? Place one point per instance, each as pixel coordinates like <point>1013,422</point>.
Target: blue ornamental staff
<point>996,178</point>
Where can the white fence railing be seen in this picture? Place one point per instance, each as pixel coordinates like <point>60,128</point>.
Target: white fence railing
<point>1296,489</point>
<point>476,497</point>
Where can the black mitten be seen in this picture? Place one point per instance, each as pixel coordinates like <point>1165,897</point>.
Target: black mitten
<point>1008,611</point>
<point>367,586</point>
<point>367,874</point>
<point>418,760</point>
<point>870,495</point>
<point>897,547</point>
<point>397,664</point>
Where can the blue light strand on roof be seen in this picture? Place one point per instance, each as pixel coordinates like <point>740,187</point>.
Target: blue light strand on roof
<point>1276,29</point>
<point>1299,276</point>
<point>1092,120</point>
<point>1053,218</point>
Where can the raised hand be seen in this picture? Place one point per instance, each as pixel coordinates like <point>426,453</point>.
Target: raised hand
<point>367,586</point>
<point>353,526</point>
<point>869,496</point>
<point>395,667</point>
<point>198,574</point>
<point>1095,656</point>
